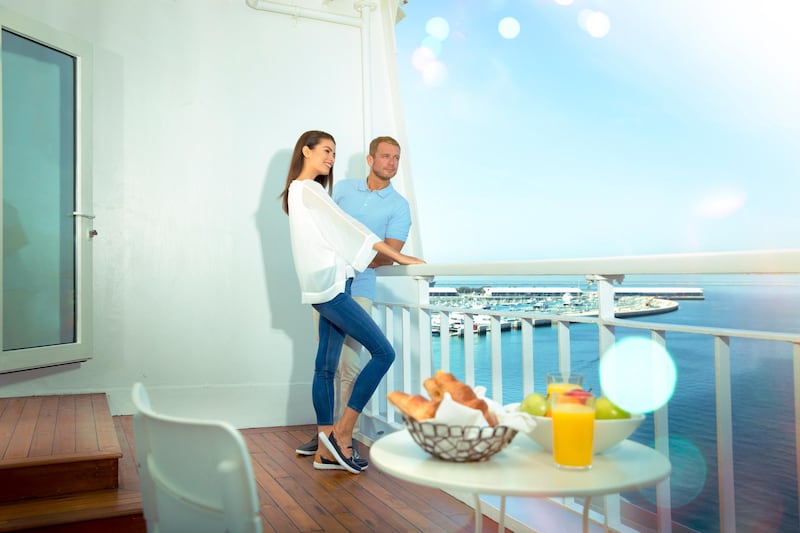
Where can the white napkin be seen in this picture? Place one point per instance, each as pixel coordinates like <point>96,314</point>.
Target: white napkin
<point>509,417</point>
<point>516,419</point>
<point>452,413</point>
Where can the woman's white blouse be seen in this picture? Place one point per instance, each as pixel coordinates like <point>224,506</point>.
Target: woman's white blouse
<point>327,243</point>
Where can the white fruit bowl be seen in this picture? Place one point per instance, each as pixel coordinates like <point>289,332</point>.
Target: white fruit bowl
<point>607,433</point>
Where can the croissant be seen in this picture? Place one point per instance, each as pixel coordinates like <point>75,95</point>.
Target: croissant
<point>462,393</point>
<point>483,407</point>
<point>414,405</point>
<point>434,390</point>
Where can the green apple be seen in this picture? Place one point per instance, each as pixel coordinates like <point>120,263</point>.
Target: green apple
<point>534,404</point>
<point>606,410</point>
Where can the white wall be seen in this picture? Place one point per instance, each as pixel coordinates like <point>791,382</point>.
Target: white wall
<point>197,105</point>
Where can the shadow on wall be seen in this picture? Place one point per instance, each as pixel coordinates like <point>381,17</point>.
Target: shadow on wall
<point>356,167</point>
<point>283,291</point>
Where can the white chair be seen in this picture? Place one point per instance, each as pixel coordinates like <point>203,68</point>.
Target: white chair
<point>195,475</point>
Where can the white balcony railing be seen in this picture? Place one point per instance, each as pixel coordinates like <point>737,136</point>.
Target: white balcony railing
<point>407,321</point>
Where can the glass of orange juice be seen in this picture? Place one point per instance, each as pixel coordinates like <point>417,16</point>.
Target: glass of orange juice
<point>573,429</point>
<point>561,382</point>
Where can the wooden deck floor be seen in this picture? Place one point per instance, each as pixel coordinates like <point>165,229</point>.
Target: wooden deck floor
<point>293,496</point>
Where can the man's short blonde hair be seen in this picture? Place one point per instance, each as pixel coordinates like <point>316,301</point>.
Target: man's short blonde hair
<point>373,146</point>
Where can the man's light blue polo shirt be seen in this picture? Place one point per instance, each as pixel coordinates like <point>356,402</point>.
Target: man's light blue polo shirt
<point>385,212</point>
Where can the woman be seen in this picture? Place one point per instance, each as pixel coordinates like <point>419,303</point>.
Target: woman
<point>328,246</point>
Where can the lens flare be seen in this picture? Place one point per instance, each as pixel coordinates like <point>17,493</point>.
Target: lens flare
<point>508,28</point>
<point>583,17</point>
<point>720,203</point>
<point>598,24</point>
<point>434,74</point>
<point>421,57</point>
<point>770,513</point>
<point>689,473</point>
<point>438,28</point>
<point>434,45</point>
<point>638,375</point>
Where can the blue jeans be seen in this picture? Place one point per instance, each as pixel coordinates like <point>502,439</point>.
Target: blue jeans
<point>338,318</point>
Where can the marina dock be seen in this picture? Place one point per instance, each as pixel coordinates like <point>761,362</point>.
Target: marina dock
<point>629,302</point>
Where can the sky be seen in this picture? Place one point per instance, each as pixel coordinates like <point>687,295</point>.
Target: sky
<point>550,129</point>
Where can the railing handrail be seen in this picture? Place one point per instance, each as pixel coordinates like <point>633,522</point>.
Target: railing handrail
<point>622,322</point>
<point>782,261</point>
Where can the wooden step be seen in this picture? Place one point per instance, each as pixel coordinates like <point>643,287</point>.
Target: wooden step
<point>56,445</point>
<point>99,511</point>
<point>67,465</point>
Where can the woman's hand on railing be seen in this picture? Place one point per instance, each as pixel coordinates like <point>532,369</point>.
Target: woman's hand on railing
<point>402,259</point>
<point>411,260</point>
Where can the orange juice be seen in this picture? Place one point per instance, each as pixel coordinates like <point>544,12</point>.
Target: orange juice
<point>573,433</point>
<point>559,388</point>
<point>560,382</point>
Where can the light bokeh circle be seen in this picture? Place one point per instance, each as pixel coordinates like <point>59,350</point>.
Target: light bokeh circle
<point>638,374</point>
<point>598,24</point>
<point>421,57</point>
<point>434,45</point>
<point>689,473</point>
<point>508,28</point>
<point>438,28</point>
<point>434,74</point>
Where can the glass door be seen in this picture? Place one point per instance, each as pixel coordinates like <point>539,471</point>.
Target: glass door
<point>38,194</point>
<point>46,261</point>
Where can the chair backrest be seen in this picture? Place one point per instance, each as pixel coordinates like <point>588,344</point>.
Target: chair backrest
<point>195,475</point>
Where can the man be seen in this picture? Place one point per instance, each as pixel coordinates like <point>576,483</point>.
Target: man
<point>376,204</point>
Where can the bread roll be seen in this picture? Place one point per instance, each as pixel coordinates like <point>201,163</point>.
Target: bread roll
<point>414,405</point>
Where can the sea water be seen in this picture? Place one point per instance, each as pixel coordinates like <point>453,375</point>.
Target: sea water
<point>761,384</point>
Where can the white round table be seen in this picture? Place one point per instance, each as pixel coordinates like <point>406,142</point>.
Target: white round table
<point>523,468</point>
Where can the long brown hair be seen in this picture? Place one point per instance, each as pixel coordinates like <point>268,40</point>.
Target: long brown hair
<point>311,139</point>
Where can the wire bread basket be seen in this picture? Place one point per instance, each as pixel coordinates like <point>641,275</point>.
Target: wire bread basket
<point>459,443</point>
